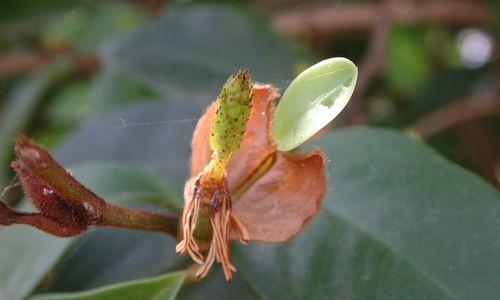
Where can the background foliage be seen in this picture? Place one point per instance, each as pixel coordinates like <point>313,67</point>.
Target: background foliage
<point>114,89</point>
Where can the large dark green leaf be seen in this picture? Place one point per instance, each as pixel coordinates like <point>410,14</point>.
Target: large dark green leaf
<point>400,222</point>
<point>27,254</point>
<point>189,51</point>
<point>164,287</point>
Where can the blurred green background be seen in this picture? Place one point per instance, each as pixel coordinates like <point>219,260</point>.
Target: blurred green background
<point>111,80</point>
<point>431,68</point>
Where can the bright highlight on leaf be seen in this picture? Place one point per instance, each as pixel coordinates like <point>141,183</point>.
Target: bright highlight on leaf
<point>312,100</point>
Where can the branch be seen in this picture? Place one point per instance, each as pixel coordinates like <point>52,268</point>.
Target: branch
<point>456,113</point>
<point>13,64</point>
<point>20,63</point>
<point>66,207</point>
<point>372,64</point>
<point>334,19</point>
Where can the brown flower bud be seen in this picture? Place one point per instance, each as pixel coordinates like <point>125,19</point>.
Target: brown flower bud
<point>66,207</point>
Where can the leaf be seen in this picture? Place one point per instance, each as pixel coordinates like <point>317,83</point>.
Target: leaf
<point>154,135</point>
<point>27,254</point>
<point>112,89</point>
<point>69,105</point>
<point>21,104</point>
<point>163,287</point>
<point>86,26</point>
<point>312,100</point>
<point>214,286</point>
<point>408,63</point>
<point>400,223</point>
<point>129,255</point>
<point>11,11</point>
<point>189,51</point>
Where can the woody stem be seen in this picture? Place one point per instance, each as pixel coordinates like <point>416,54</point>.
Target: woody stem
<point>117,216</point>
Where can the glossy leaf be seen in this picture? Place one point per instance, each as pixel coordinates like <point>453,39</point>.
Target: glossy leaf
<point>401,222</point>
<point>189,51</point>
<point>27,254</point>
<point>164,287</point>
<point>312,100</point>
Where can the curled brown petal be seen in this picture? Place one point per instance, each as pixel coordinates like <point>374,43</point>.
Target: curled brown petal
<point>278,205</point>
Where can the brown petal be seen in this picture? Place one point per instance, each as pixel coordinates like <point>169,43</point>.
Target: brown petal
<point>280,203</point>
<point>256,146</point>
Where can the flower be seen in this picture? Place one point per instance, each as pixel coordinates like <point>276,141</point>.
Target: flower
<point>54,192</point>
<point>262,195</point>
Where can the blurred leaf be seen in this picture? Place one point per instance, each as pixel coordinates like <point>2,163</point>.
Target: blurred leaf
<point>408,63</point>
<point>21,104</point>
<point>155,135</point>
<point>189,51</point>
<point>401,223</point>
<point>12,10</point>
<point>312,100</point>
<point>87,26</point>
<point>126,182</point>
<point>164,287</point>
<point>112,89</point>
<point>446,87</point>
<point>495,8</point>
<point>27,254</point>
<point>69,106</point>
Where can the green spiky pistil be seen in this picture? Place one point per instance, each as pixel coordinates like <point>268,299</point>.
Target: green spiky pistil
<point>233,106</point>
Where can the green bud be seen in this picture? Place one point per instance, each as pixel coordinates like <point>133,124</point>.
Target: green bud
<point>234,104</point>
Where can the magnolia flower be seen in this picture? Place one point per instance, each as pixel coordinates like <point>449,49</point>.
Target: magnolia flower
<point>241,187</point>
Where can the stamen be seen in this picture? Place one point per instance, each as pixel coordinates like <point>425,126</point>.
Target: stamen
<point>242,230</point>
<point>189,220</point>
<point>220,220</point>
<point>203,271</point>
